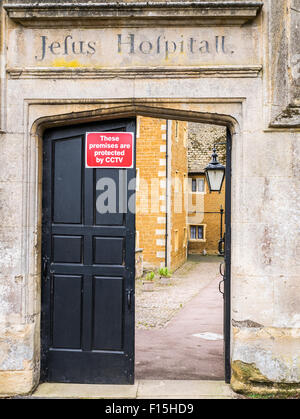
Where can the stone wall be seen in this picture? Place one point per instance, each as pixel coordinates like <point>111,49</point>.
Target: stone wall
<point>151,166</point>
<point>178,176</point>
<point>202,138</point>
<point>284,63</point>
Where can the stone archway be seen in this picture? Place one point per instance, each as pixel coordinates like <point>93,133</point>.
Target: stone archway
<point>107,112</point>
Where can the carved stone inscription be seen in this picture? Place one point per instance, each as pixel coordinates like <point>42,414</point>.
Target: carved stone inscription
<point>67,47</point>
<point>130,45</point>
<point>139,47</point>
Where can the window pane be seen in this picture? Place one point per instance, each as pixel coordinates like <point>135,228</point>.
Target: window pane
<point>194,185</point>
<point>193,232</point>
<point>200,233</point>
<point>200,185</point>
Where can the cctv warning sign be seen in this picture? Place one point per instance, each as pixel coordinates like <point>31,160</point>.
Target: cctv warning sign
<point>110,150</point>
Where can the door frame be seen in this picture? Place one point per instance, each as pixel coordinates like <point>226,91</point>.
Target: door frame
<point>228,255</point>
<point>107,109</point>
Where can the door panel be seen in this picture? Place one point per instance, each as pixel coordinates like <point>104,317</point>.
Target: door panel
<point>67,175</point>
<point>116,182</point>
<point>88,263</point>
<point>108,292</point>
<point>67,310</point>
<point>67,249</point>
<point>108,250</point>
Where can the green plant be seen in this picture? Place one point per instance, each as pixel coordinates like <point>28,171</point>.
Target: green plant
<point>150,276</point>
<point>165,272</point>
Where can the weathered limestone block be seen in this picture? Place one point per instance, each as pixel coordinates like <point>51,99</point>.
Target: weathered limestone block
<point>16,383</point>
<point>295,53</point>
<point>17,366</point>
<point>284,23</point>
<point>2,71</point>
<point>131,13</point>
<point>10,246</point>
<point>265,360</point>
<point>11,299</point>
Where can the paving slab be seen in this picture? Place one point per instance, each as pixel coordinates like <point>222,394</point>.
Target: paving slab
<point>183,389</point>
<point>85,391</point>
<point>186,398</point>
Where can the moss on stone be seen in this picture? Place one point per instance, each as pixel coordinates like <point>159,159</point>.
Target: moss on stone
<point>248,373</point>
<point>247,379</point>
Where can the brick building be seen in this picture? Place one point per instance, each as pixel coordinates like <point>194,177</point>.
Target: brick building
<point>176,214</point>
<point>161,230</point>
<point>206,225</point>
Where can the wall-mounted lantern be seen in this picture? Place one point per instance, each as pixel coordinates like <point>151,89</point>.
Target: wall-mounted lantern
<point>215,173</point>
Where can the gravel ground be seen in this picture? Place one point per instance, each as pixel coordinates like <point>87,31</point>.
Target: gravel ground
<point>156,308</point>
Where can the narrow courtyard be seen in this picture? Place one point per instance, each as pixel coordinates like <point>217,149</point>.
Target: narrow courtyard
<point>179,327</point>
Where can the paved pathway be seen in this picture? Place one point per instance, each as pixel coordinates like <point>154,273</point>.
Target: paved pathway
<point>174,352</point>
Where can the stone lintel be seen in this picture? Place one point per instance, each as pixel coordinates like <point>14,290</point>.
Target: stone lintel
<point>132,14</point>
<point>161,72</point>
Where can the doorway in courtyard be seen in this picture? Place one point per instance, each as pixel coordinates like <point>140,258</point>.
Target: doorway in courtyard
<point>153,228</point>
<point>181,220</point>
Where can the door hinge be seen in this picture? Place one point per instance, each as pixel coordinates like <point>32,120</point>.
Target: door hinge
<point>129,297</point>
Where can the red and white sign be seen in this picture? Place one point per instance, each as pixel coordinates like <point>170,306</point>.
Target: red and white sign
<point>109,150</point>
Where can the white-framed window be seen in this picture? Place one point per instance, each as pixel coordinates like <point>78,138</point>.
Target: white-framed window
<point>197,232</point>
<point>198,185</point>
<point>201,185</point>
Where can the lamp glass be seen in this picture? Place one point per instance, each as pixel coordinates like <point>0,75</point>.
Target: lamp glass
<point>215,178</point>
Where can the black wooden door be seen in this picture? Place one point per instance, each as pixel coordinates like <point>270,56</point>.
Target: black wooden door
<point>88,260</point>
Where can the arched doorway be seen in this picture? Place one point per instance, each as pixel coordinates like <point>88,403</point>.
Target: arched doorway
<point>127,355</point>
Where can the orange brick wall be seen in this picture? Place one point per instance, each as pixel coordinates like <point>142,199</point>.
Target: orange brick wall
<point>151,166</point>
<point>150,219</point>
<point>179,173</point>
